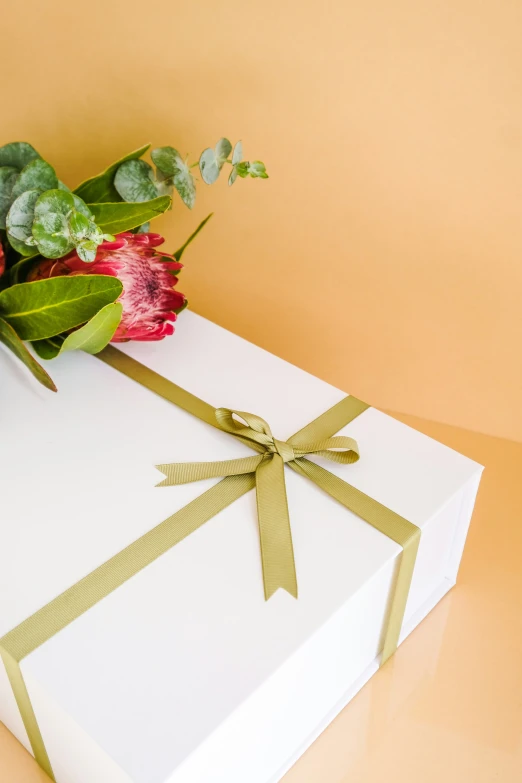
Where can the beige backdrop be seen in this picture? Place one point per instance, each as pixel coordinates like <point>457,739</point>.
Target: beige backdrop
<point>384,254</point>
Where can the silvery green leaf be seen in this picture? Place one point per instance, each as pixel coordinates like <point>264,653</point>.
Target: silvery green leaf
<point>50,225</point>
<point>17,154</point>
<point>81,206</point>
<point>258,169</point>
<point>21,215</point>
<point>233,175</point>
<point>63,186</point>
<point>79,226</point>
<point>167,160</point>
<point>211,160</point>
<point>185,185</point>
<point>171,165</point>
<point>144,228</point>
<point>86,250</point>
<point>37,175</point>
<point>134,181</point>
<point>238,153</point>
<point>8,177</point>
<point>24,248</point>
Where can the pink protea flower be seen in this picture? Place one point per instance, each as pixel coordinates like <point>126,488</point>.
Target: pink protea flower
<point>150,303</point>
<point>2,260</point>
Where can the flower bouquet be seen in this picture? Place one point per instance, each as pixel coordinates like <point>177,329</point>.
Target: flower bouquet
<point>80,268</point>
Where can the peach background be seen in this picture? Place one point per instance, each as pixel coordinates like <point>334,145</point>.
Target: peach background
<point>384,254</point>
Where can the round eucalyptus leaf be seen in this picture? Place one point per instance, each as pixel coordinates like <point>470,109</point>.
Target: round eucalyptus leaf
<point>50,225</point>
<point>17,154</point>
<point>87,250</point>
<point>21,215</point>
<point>79,226</point>
<point>134,181</point>
<point>144,228</point>
<point>171,164</point>
<point>24,248</point>
<point>258,169</point>
<point>223,150</point>
<point>167,160</point>
<point>233,176</point>
<point>8,177</point>
<point>243,168</point>
<point>211,160</point>
<point>209,166</point>
<point>238,153</point>
<point>37,175</point>
<point>81,206</point>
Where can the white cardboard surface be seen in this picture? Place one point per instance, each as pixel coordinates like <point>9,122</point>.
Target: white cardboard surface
<point>185,674</point>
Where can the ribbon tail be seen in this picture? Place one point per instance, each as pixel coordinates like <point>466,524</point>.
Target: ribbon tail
<point>277,551</point>
<point>186,472</point>
<point>388,522</point>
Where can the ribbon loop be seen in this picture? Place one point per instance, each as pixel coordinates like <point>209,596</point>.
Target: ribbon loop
<point>277,552</point>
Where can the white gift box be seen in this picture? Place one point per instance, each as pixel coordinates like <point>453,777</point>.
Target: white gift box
<point>184,674</point>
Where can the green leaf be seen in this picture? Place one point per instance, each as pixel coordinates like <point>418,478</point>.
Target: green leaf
<point>86,250</point>
<point>17,154</point>
<point>50,225</point>
<point>81,206</point>
<point>134,181</point>
<point>8,177</point>
<point>258,169</point>
<point>122,216</point>
<point>10,339</point>
<point>101,188</point>
<point>48,349</point>
<point>144,228</point>
<point>19,271</point>
<point>45,308</point>
<point>236,158</point>
<point>21,247</point>
<point>179,253</point>
<point>37,175</point>
<point>96,333</point>
<point>237,155</point>
<point>171,164</point>
<point>211,160</point>
<point>20,217</point>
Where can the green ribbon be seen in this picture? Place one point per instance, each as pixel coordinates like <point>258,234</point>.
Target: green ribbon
<point>265,472</point>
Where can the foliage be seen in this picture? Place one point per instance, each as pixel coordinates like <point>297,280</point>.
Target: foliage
<point>41,217</point>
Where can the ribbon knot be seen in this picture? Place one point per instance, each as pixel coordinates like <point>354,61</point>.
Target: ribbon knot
<point>277,552</point>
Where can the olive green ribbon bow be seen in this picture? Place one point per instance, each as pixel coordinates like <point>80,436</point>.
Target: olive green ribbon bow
<point>277,553</point>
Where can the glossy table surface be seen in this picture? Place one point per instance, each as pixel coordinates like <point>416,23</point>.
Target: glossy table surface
<point>448,706</point>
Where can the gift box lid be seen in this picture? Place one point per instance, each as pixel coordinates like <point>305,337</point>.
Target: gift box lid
<point>169,655</point>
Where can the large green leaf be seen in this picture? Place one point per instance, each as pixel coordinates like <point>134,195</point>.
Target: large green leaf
<point>171,165</point>
<point>17,154</point>
<point>134,181</point>
<point>37,175</point>
<point>96,333</point>
<point>92,337</point>
<point>8,177</point>
<point>101,188</point>
<point>45,308</point>
<point>122,216</point>
<point>179,253</point>
<point>10,338</point>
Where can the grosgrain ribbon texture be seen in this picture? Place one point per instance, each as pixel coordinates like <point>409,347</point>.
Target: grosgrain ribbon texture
<point>265,472</point>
